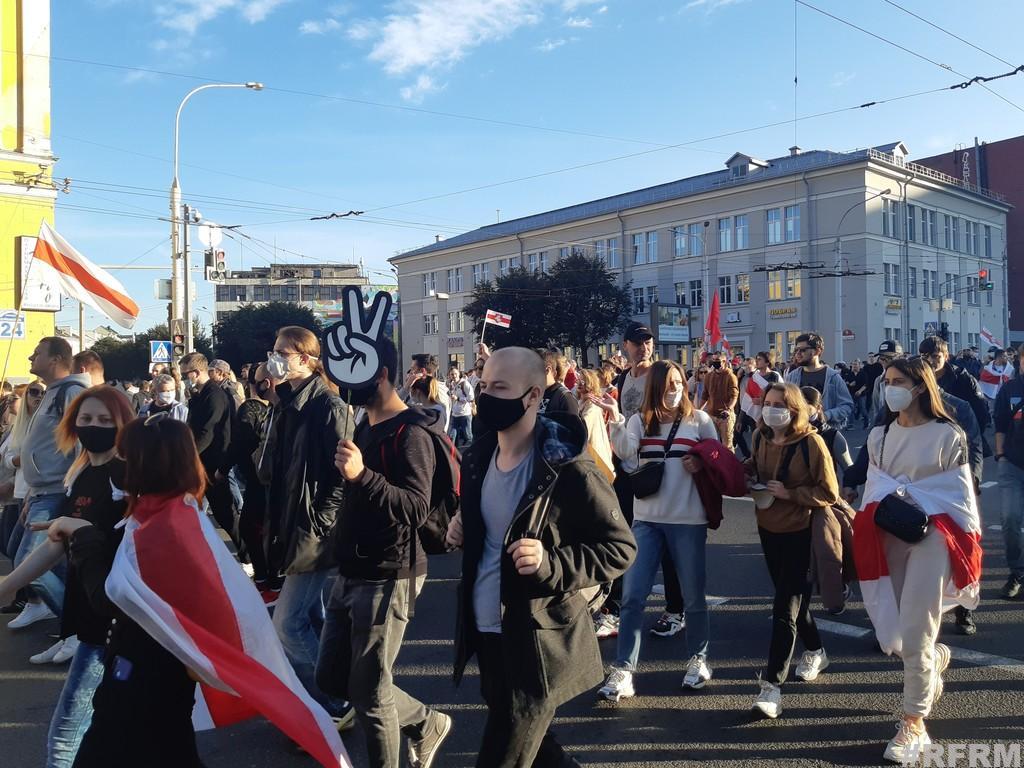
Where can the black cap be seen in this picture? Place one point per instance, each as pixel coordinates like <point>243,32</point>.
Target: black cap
<point>890,347</point>
<point>637,333</point>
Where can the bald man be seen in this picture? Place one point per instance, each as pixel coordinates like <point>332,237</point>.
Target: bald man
<point>538,523</point>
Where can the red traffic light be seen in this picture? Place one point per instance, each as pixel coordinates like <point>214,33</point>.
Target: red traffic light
<point>982,274</point>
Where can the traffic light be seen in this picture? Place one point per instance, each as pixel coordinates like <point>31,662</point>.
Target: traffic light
<point>984,284</point>
<point>944,331</point>
<point>178,343</point>
<point>216,265</point>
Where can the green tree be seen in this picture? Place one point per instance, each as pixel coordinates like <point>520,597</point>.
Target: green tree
<point>524,295</point>
<point>129,359</point>
<point>246,335</point>
<point>587,305</point>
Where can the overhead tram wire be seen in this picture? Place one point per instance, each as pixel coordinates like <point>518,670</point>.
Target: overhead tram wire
<point>980,81</point>
<point>947,32</point>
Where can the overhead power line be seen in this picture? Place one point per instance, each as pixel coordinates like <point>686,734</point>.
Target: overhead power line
<point>945,31</point>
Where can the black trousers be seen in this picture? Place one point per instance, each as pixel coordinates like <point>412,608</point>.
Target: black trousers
<point>788,556</point>
<point>252,528</point>
<point>513,739</point>
<point>222,505</point>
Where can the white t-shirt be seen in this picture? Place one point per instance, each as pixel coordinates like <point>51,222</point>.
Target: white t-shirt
<point>913,453</point>
<point>631,396</point>
<point>677,501</point>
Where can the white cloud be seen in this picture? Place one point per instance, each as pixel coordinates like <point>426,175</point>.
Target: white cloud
<point>578,23</point>
<point>424,84</point>
<point>571,5</point>
<point>311,27</point>
<point>710,6</point>
<point>602,9</point>
<point>839,79</point>
<point>186,16</point>
<point>549,45</point>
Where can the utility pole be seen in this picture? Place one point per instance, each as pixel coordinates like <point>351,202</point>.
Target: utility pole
<point>175,251</point>
<point>187,301</point>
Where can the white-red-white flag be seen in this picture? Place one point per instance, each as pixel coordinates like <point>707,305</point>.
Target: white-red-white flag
<point>498,318</point>
<point>82,280</point>
<point>174,577</point>
<point>992,379</point>
<point>753,391</point>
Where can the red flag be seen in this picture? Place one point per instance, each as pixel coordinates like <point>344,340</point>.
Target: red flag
<point>713,329</point>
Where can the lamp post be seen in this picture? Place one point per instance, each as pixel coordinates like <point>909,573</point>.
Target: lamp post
<point>175,202</point>
<point>839,270</point>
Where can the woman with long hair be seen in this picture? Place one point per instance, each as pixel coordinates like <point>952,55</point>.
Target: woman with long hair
<point>794,476</point>
<point>920,526</point>
<point>11,510</point>
<point>590,391</point>
<point>671,518</point>
<point>92,420</point>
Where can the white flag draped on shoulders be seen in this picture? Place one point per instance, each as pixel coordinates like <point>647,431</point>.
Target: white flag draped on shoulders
<point>949,501</point>
<point>174,577</point>
<point>82,280</point>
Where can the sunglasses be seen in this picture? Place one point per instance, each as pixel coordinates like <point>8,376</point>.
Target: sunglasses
<point>36,392</point>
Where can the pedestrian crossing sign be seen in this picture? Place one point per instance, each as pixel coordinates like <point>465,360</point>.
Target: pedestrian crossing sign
<point>159,351</point>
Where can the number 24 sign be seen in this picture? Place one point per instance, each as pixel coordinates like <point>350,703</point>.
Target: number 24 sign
<point>8,330</point>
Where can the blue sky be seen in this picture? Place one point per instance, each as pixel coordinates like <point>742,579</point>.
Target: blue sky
<point>634,76</point>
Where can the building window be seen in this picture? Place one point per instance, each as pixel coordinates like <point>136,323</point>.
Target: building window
<point>894,334</point>
<point>948,284</point>
<point>792,223</point>
<point>614,253</point>
<point>775,285</point>
<point>457,322</point>
<point>543,262</point>
<point>912,223</point>
<point>477,275</point>
<point>429,325</point>
<point>925,232</point>
<point>955,345</point>
<point>638,301</point>
<point>455,279</point>
<point>308,292</point>
<point>774,225</point>
<point>533,261</point>
<point>563,253</point>
<point>429,283</point>
<point>223,293</point>
<point>892,279</point>
<point>681,293</point>
<point>290,293</point>
<point>912,282</point>
<point>933,231</point>
<point>913,341</point>
<point>890,222</point>
<point>742,232</point>
<point>926,287</point>
<point>957,244</point>
<point>988,242</point>
<point>696,238</point>
<point>502,267</point>
<point>652,295</point>
<point>261,293</point>
<point>974,238</point>
<point>725,289</point>
<point>601,251</point>
<point>793,284</point>
<point>775,341</point>
<point>696,293</point>
<point>515,262</point>
<point>791,341</point>
<point>652,247</point>
<point>972,290</point>
<point>679,238</point>
<point>724,235</point>
<point>638,248</point>
<point>947,231</point>
<point>742,289</point>
<point>935,284</point>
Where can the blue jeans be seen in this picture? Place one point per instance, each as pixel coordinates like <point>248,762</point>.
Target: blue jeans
<point>1011,483</point>
<point>50,586</point>
<point>299,619</point>
<point>461,432</point>
<point>686,545</point>
<point>73,714</point>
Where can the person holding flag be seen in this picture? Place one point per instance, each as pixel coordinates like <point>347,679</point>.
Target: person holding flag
<point>996,373</point>
<point>917,540</point>
<point>753,385</point>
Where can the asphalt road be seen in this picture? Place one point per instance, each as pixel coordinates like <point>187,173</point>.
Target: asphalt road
<point>843,719</point>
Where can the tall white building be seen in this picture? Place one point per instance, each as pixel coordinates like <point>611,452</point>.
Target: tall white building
<point>770,236</point>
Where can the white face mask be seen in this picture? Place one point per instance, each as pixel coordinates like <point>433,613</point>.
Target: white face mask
<point>165,398</point>
<point>277,366</point>
<point>898,398</point>
<point>776,417</point>
<point>674,398</point>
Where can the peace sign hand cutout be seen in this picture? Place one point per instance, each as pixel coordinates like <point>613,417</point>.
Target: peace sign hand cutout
<point>353,359</point>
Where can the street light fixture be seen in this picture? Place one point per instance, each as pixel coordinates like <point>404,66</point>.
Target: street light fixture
<point>186,300</point>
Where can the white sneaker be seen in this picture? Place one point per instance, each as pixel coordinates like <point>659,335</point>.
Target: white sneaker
<point>66,651</point>
<point>697,673</point>
<point>812,664</point>
<point>48,655</point>
<point>769,701</point>
<point>942,658</point>
<point>906,746</point>
<point>619,685</point>
<point>249,570</point>
<point>669,624</point>
<point>606,625</point>
<point>32,613</point>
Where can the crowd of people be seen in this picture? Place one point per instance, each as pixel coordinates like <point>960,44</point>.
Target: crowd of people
<point>566,489</point>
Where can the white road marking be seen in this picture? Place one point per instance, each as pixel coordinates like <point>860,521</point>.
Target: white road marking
<point>989,484</point>
<point>837,628</point>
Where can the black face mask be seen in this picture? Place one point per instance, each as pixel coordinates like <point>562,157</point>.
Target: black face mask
<point>716,364</point>
<point>359,397</point>
<point>499,413</point>
<point>97,439</point>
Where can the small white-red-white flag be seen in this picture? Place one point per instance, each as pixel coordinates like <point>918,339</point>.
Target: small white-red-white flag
<point>173,576</point>
<point>498,318</point>
<point>84,281</point>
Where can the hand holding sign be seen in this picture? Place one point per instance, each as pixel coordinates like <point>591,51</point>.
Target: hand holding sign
<point>352,359</point>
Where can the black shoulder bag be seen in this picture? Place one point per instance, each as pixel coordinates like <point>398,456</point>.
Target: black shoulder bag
<point>897,516</point>
<point>647,479</point>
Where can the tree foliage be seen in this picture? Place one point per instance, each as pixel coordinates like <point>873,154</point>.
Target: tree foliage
<point>246,335</point>
<point>576,304</point>
<point>129,359</point>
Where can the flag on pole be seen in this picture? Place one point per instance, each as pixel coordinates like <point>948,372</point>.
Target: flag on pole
<point>992,379</point>
<point>988,337</point>
<point>713,329</point>
<point>84,281</point>
<point>497,318</point>
<point>173,576</point>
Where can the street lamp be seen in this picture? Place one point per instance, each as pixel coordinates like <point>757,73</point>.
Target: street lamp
<point>177,301</point>
<point>839,270</point>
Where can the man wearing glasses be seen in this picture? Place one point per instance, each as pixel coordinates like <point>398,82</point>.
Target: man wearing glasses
<point>811,372</point>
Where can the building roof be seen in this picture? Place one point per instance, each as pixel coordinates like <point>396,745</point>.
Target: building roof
<point>694,185</point>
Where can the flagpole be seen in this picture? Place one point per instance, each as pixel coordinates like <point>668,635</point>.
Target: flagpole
<point>483,331</point>
<point>81,326</point>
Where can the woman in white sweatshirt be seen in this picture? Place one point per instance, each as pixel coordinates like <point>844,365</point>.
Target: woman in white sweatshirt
<point>673,519</point>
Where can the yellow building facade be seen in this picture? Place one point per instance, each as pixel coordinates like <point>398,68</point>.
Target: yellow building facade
<point>27,193</point>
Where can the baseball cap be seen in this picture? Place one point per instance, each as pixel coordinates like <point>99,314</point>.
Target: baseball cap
<point>637,333</point>
<point>890,347</point>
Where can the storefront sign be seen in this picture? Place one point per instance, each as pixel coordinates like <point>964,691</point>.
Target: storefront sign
<point>894,306</point>
<point>672,322</point>
<point>779,313</point>
<point>456,342</point>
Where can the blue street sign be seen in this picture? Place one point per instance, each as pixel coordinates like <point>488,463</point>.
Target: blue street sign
<point>159,351</point>
<point>931,329</point>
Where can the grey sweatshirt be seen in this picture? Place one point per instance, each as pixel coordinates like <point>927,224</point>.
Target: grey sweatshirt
<point>42,464</point>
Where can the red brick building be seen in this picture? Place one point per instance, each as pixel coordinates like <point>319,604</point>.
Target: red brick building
<point>998,166</point>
